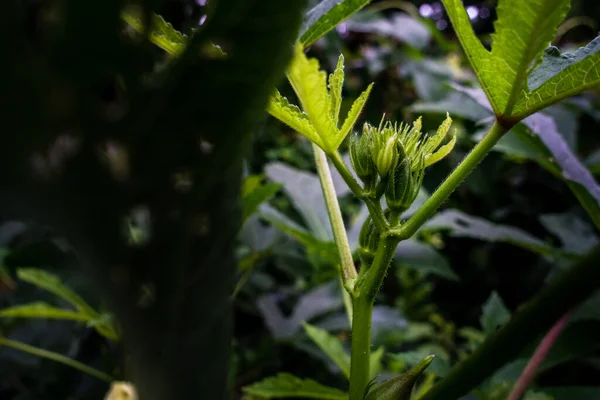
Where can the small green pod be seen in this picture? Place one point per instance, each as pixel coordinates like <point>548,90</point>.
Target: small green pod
<point>361,159</point>
<point>387,157</point>
<point>368,240</point>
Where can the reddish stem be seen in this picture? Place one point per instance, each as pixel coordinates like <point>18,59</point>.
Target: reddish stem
<point>538,357</point>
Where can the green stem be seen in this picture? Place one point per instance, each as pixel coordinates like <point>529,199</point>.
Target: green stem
<point>373,205</point>
<point>335,217</point>
<point>559,296</point>
<point>55,357</point>
<point>457,176</point>
<point>364,296</point>
<point>360,360</point>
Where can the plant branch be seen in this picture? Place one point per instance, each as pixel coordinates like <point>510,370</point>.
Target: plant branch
<point>538,357</point>
<point>468,164</point>
<point>562,294</point>
<point>335,217</point>
<point>50,355</point>
<point>373,205</point>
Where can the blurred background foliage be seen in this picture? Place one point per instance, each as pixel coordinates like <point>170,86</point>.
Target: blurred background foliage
<point>495,243</point>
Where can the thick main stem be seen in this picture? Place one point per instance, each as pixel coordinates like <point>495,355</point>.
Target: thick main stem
<point>457,176</point>
<point>335,217</point>
<point>364,296</point>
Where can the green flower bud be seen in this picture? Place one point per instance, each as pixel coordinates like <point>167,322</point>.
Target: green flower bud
<point>387,157</point>
<point>360,157</point>
<point>368,240</point>
<point>403,185</point>
<point>399,388</point>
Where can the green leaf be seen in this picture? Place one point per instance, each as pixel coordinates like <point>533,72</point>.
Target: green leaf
<point>495,314</point>
<point>354,112</point>
<point>280,108</point>
<point>399,388</point>
<point>287,385</point>
<point>287,226</point>
<point>559,76</point>
<point>336,83</point>
<point>331,346</point>
<point>325,16</point>
<point>572,392</point>
<point>42,310</point>
<point>52,284</point>
<point>521,35</point>
<point>162,33</point>
<point>375,364</point>
<point>252,200</point>
<point>424,258</point>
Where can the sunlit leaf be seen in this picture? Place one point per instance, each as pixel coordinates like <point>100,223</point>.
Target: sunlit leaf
<point>292,116</point>
<point>331,346</point>
<point>559,76</point>
<point>521,35</point>
<point>354,112</point>
<point>336,82</point>
<point>287,385</point>
<point>325,16</point>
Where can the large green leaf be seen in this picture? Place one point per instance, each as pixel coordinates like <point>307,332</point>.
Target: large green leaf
<point>559,76</point>
<point>331,346</point>
<point>522,32</point>
<point>287,385</point>
<point>325,16</point>
<point>255,196</point>
<point>53,284</point>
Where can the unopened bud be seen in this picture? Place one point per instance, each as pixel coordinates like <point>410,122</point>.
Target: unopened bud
<point>368,240</point>
<point>361,159</point>
<point>387,157</point>
<point>403,184</point>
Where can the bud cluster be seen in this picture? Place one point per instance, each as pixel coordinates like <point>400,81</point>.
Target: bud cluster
<point>391,160</point>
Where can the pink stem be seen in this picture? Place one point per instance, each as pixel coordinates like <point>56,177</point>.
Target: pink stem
<point>538,357</point>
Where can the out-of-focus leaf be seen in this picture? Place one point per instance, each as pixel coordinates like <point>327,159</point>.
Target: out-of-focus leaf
<point>457,104</point>
<point>331,346</point>
<point>286,225</point>
<point>424,258</point>
<point>588,310</point>
<point>318,301</point>
<point>254,198</point>
<point>42,310</point>
<point>402,27</point>
<point>325,16</point>
<point>304,190</point>
<point>53,284</point>
<point>463,225</point>
<point>559,76</point>
<point>572,392</point>
<point>521,35</point>
<point>576,235</point>
<point>439,366</point>
<point>375,364</point>
<point>495,314</point>
<point>287,385</point>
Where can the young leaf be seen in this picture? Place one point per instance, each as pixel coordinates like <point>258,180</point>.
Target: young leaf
<point>521,35</point>
<point>354,112</point>
<point>330,346</point>
<point>325,16</point>
<point>495,314</point>
<point>287,385</point>
<point>162,33</point>
<point>336,82</point>
<point>559,76</point>
<point>52,283</point>
<point>42,310</point>
<point>292,116</point>
<point>399,388</point>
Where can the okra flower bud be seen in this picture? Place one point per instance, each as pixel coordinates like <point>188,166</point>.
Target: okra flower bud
<point>387,157</point>
<point>403,183</point>
<point>360,157</point>
<point>368,240</point>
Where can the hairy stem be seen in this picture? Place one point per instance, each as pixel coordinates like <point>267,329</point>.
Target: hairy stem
<point>55,357</point>
<point>364,297</point>
<point>538,357</point>
<point>562,294</point>
<point>457,176</point>
<point>348,269</point>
